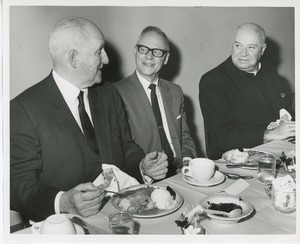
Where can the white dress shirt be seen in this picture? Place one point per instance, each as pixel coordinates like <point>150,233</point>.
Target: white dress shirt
<point>146,85</point>
<point>70,94</point>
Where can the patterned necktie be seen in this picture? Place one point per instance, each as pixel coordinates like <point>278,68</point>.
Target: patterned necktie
<point>86,124</point>
<point>163,138</point>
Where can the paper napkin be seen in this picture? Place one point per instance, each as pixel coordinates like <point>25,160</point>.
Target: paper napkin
<point>284,116</point>
<point>119,181</point>
<point>237,187</point>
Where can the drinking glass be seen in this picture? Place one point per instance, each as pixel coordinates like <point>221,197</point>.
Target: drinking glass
<point>266,168</point>
<point>121,223</point>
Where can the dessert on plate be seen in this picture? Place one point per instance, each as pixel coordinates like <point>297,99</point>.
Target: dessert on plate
<point>147,198</point>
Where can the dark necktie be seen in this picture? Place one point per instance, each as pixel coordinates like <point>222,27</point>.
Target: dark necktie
<point>86,124</point>
<point>163,138</point>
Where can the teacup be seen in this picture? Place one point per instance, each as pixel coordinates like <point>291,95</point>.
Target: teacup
<point>200,169</point>
<point>58,224</point>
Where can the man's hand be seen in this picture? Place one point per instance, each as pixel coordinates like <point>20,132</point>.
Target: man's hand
<point>281,132</point>
<point>155,165</point>
<point>84,199</point>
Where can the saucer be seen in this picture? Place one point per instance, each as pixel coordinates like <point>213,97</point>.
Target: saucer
<point>215,180</point>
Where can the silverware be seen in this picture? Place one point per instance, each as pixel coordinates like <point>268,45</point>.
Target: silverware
<point>81,223</point>
<point>106,191</point>
<point>88,228</point>
<point>235,176</point>
<point>241,165</point>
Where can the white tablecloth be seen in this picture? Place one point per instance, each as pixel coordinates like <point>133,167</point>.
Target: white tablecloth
<point>263,220</point>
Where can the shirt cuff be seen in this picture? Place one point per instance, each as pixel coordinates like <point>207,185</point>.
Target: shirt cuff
<point>147,180</point>
<point>56,202</point>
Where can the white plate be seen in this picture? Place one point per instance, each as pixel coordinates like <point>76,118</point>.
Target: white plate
<point>252,160</point>
<point>152,213</point>
<point>36,228</point>
<point>247,207</point>
<point>215,180</point>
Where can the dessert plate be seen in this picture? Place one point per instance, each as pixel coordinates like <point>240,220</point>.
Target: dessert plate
<point>218,198</point>
<point>149,213</point>
<point>248,159</point>
<point>215,180</point>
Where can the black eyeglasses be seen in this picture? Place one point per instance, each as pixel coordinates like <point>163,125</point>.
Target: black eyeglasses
<point>156,52</point>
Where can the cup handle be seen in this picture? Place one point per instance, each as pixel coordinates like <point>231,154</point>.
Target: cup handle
<point>268,189</point>
<point>186,171</point>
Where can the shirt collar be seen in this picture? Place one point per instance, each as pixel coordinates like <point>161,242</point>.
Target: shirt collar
<point>145,83</point>
<point>255,72</point>
<point>68,90</point>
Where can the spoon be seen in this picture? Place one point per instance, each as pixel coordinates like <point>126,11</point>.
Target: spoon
<point>232,214</point>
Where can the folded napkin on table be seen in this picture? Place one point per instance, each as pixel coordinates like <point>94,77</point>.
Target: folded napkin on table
<point>237,187</point>
<point>118,181</point>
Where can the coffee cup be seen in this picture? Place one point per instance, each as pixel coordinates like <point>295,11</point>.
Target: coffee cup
<point>200,169</point>
<point>58,224</point>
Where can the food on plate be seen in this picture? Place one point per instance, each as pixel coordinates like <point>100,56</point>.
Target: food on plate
<point>147,198</point>
<point>242,156</point>
<point>226,207</point>
<point>236,156</point>
<point>163,199</point>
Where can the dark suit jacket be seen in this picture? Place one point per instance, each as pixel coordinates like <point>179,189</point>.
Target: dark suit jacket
<point>49,153</point>
<point>236,113</point>
<point>142,122</point>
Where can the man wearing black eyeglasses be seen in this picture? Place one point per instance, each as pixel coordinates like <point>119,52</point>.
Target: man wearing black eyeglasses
<point>155,107</point>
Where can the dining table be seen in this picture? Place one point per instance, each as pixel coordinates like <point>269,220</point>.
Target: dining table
<point>263,220</point>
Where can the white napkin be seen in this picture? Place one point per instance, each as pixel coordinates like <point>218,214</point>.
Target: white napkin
<point>237,187</point>
<point>120,181</point>
<point>284,116</point>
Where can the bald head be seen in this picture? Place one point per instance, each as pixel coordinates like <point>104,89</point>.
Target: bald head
<point>252,29</point>
<point>77,49</point>
<point>70,33</point>
<point>248,46</point>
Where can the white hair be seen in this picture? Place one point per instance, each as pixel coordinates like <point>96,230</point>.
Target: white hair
<point>68,34</point>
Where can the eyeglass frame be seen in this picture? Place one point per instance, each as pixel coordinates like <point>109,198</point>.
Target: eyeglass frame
<point>151,49</point>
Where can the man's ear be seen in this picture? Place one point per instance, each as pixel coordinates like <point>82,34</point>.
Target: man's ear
<point>167,58</point>
<point>72,58</point>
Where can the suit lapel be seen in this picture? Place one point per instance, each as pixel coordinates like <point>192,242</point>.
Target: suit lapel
<point>168,106</point>
<point>61,111</point>
<point>142,99</point>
